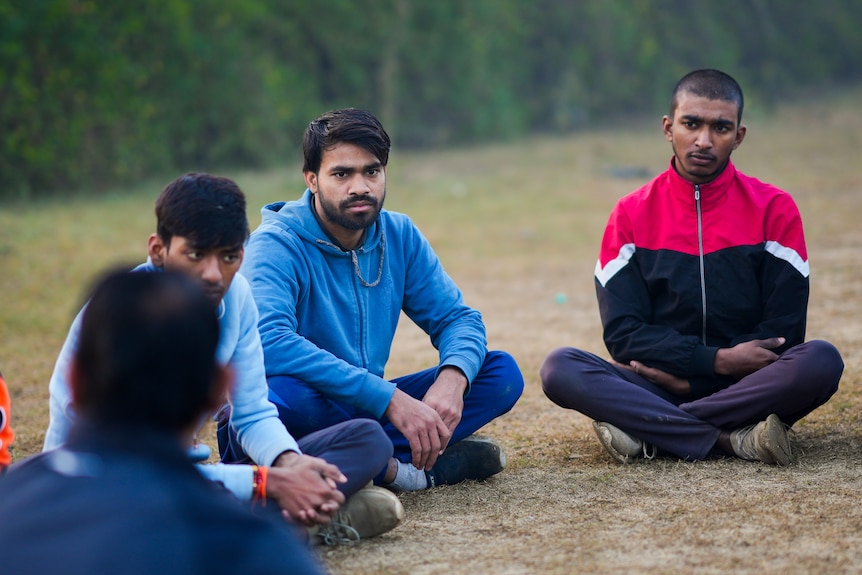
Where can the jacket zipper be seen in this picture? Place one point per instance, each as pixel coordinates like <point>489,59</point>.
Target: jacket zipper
<point>700,257</point>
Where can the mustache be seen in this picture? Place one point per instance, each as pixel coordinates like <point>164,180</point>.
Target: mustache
<point>360,200</point>
<point>701,155</point>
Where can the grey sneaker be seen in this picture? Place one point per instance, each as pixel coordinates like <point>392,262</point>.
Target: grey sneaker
<point>474,457</point>
<point>766,441</point>
<point>622,446</point>
<point>369,512</point>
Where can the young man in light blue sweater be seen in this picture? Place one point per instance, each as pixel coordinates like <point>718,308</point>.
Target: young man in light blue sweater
<point>201,231</point>
<point>331,274</point>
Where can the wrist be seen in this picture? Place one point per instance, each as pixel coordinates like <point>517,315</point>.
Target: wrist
<point>454,377</point>
<point>718,364</point>
<point>258,483</point>
<point>285,458</point>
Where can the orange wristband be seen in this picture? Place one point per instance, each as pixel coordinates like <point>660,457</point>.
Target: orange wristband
<point>259,483</point>
<point>264,471</point>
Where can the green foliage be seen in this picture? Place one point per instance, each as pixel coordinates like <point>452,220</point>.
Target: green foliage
<point>96,92</point>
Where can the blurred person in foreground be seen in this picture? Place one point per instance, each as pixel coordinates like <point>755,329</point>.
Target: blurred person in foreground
<point>201,230</point>
<point>331,274</point>
<point>122,495</point>
<point>702,284</point>
<point>7,436</point>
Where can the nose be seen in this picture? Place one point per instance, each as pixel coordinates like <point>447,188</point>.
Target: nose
<point>211,270</point>
<point>704,138</point>
<point>360,186</point>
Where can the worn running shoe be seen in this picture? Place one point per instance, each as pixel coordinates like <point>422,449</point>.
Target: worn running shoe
<point>622,446</point>
<point>766,441</point>
<point>474,457</point>
<point>369,512</point>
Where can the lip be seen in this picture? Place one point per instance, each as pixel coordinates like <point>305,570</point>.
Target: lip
<point>360,207</point>
<point>701,159</point>
<point>214,295</point>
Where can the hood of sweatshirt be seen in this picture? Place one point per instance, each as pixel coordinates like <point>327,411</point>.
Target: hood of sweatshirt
<point>298,216</point>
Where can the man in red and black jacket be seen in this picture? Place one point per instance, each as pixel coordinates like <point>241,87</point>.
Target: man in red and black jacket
<point>702,283</point>
<point>7,436</point>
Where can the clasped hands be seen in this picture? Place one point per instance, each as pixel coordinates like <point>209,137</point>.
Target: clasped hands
<point>738,361</point>
<point>428,424</point>
<point>305,487</point>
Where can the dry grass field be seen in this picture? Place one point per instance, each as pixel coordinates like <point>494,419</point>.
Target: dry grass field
<point>518,227</point>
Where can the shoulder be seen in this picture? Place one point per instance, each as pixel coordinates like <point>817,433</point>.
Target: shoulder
<point>238,298</point>
<point>399,225</point>
<point>239,289</point>
<point>766,194</point>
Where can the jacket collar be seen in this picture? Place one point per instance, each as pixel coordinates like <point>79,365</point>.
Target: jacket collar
<point>711,193</point>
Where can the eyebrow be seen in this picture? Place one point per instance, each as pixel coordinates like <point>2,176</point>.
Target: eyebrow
<point>701,120</point>
<point>350,169</point>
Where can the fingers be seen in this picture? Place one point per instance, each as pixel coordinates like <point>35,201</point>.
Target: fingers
<point>426,449</point>
<point>332,475</point>
<point>445,431</point>
<point>767,343</point>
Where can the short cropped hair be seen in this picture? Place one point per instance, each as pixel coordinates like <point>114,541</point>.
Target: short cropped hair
<point>146,351</point>
<point>348,125</point>
<point>207,210</point>
<point>712,84</point>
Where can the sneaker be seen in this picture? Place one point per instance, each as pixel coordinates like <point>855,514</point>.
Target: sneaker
<point>473,457</point>
<point>766,441</point>
<point>369,512</point>
<point>622,446</point>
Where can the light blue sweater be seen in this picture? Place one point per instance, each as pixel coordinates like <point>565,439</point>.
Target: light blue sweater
<point>261,434</point>
<point>328,317</point>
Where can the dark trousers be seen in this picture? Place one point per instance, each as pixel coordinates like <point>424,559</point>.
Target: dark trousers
<point>493,392</point>
<point>358,448</point>
<point>803,378</point>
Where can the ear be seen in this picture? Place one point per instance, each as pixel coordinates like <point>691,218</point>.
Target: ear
<point>740,135</point>
<point>310,181</point>
<point>666,127</point>
<point>157,250</point>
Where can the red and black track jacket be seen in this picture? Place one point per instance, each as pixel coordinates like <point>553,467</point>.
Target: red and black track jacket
<point>686,269</point>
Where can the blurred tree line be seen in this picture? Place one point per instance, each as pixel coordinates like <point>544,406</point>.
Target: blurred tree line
<point>96,92</point>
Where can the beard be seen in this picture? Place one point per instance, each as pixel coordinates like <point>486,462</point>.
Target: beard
<point>338,214</point>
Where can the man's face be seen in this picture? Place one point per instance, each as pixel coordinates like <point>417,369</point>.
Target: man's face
<point>703,134</point>
<point>213,267</point>
<point>349,189</point>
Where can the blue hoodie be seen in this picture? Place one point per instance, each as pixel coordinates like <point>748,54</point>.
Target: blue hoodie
<point>328,316</point>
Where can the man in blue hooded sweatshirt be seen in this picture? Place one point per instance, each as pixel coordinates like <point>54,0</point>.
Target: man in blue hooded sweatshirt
<point>331,274</point>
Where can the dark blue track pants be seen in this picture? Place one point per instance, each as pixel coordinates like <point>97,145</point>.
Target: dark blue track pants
<point>493,392</point>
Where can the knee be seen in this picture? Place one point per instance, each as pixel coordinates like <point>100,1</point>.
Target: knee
<point>562,375</point>
<point>818,369</point>
<point>828,366</point>
<point>375,443</point>
<point>510,379</point>
<point>556,371</point>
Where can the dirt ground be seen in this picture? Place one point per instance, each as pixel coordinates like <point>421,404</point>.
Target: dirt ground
<point>518,227</point>
<point>562,505</point>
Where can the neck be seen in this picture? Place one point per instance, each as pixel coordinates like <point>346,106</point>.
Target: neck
<point>347,240</point>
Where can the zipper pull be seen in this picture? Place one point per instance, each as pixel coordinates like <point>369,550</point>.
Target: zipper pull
<point>697,192</point>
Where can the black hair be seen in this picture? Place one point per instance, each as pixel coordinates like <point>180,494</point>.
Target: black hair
<point>347,125</point>
<point>146,351</point>
<point>207,210</point>
<point>712,84</point>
